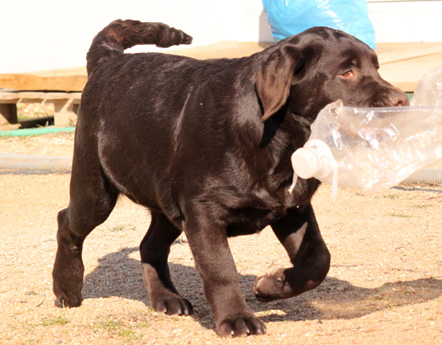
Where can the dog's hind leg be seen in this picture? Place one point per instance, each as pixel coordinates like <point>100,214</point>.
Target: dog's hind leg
<point>92,199</point>
<point>299,233</point>
<point>154,250</point>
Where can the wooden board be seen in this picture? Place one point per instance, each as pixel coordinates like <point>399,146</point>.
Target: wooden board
<point>65,104</point>
<point>402,64</point>
<point>9,97</point>
<point>229,50</point>
<point>31,82</point>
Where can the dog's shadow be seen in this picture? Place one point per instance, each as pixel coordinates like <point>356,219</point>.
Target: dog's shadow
<point>119,275</point>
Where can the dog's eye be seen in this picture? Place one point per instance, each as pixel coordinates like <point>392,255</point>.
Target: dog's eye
<point>348,74</point>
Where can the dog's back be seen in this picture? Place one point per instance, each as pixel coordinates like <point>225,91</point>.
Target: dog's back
<point>146,114</point>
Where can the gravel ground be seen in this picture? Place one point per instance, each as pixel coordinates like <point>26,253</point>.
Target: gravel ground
<point>384,285</point>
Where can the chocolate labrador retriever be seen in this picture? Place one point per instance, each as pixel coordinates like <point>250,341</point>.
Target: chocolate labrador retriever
<point>206,146</point>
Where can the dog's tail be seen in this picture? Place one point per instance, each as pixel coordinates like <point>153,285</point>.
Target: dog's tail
<point>122,34</point>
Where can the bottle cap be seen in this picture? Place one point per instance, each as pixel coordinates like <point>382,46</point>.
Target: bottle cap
<point>306,162</point>
<point>315,159</point>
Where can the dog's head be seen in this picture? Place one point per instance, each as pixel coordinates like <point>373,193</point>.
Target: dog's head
<point>319,66</point>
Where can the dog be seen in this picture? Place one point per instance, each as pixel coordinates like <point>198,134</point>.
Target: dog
<point>205,145</point>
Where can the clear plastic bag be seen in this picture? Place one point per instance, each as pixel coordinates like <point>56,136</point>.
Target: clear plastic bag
<point>290,17</point>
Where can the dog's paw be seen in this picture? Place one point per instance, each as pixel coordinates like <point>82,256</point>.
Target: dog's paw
<point>67,297</point>
<point>241,326</point>
<point>272,286</point>
<point>171,304</point>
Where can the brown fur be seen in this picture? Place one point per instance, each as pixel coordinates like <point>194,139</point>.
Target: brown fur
<point>206,146</point>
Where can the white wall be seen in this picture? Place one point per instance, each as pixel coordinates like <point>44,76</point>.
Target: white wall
<point>406,21</point>
<point>49,34</point>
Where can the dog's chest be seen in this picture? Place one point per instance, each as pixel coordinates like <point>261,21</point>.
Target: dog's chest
<point>264,208</point>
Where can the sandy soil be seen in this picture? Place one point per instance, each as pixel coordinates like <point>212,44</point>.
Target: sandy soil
<point>384,285</point>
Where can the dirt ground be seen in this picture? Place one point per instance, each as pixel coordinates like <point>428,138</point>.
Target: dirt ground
<point>384,285</point>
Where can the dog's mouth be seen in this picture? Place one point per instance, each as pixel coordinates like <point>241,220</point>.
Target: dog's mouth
<point>384,97</point>
<point>394,98</point>
<point>380,103</point>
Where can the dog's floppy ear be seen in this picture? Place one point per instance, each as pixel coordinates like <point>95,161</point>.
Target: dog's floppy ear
<point>275,77</point>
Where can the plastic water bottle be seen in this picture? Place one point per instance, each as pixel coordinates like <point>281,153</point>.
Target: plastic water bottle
<point>369,148</point>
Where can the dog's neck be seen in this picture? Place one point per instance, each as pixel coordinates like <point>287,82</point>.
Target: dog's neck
<point>283,134</point>
<point>302,121</point>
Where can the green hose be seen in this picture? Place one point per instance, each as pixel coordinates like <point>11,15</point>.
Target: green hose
<point>35,131</point>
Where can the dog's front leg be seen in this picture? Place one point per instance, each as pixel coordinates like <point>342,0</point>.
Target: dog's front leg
<point>299,233</point>
<point>214,262</point>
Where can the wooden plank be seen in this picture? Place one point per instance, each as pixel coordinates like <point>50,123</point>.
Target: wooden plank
<point>36,82</point>
<point>81,71</point>
<point>8,113</point>
<point>406,74</point>
<point>65,106</point>
<point>10,96</point>
<point>228,50</point>
<point>395,52</point>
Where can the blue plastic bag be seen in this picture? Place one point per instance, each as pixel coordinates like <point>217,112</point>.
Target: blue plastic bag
<point>290,17</point>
